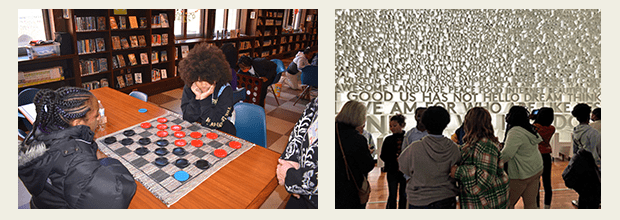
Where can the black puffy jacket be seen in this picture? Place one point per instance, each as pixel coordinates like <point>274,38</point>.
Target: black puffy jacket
<point>61,170</point>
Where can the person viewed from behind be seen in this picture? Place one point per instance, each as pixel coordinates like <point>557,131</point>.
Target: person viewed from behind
<point>584,136</point>
<point>390,151</point>
<point>546,130</point>
<point>298,166</point>
<point>58,161</point>
<point>207,95</point>
<point>352,170</point>
<point>260,68</point>
<point>428,162</point>
<point>596,119</point>
<point>481,173</point>
<point>524,161</point>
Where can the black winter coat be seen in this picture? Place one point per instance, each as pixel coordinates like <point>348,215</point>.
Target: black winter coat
<point>360,162</point>
<point>61,170</point>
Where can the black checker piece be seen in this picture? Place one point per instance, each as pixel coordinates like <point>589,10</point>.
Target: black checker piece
<point>144,141</point>
<point>109,140</point>
<point>129,133</point>
<point>162,142</point>
<point>202,164</point>
<point>179,151</point>
<point>142,151</point>
<point>161,151</point>
<point>161,161</point>
<point>181,163</point>
<point>127,141</point>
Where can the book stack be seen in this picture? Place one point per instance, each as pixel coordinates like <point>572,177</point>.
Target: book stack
<point>83,24</point>
<point>91,85</point>
<point>87,46</point>
<point>39,76</point>
<point>92,66</point>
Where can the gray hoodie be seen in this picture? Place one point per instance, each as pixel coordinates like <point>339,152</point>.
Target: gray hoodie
<point>584,136</point>
<point>428,162</point>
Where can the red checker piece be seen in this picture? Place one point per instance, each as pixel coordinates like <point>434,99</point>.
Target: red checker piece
<point>195,135</point>
<point>234,144</point>
<point>162,120</point>
<point>211,135</point>
<point>145,125</point>
<point>179,134</point>
<point>220,153</point>
<point>197,143</point>
<point>162,126</point>
<point>162,133</point>
<point>180,142</point>
<point>176,127</point>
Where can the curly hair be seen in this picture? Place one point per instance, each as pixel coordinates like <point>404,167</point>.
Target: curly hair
<point>435,119</point>
<point>477,126</point>
<point>205,62</point>
<point>56,109</point>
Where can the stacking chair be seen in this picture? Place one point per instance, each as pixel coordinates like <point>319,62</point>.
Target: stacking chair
<point>23,98</point>
<point>139,95</point>
<point>279,70</point>
<point>309,77</point>
<point>250,123</point>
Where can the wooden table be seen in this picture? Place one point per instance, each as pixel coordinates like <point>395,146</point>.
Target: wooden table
<point>245,182</point>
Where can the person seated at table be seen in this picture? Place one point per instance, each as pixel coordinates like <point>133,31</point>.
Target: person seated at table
<point>58,161</point>
<point>298,166</point>
<point>207,94</point>
<point>261,68</point>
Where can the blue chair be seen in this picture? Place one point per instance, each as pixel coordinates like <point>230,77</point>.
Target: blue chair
<point>309,77</point>
<point>23,98</point>
<point>280,69</point>
<point>250,123</point>
<point>139,95</point>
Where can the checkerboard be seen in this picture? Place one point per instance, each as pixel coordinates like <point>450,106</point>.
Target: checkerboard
<point>125,144</point>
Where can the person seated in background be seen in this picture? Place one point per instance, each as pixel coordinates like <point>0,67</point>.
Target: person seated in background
<point>298,166</point>
<point>260,68</point>
<point>293,73</point>
<point>207,94</point>
<point>428,163</point>
<point>231,54</point>
<point>58,161</point>
<point>596,119</point>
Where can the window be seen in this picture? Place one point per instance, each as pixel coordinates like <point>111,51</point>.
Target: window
<point>292,18</point>
<point>189,23</point>
<point>232,19</point>
<point>225,19</point>
<point>31,25</point>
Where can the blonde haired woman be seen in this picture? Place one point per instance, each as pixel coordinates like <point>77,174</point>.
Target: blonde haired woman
<point>355,148</point>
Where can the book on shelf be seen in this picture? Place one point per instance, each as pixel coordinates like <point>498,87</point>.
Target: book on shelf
<point>138,77</point>
<point>113,24</point>
<point>163,20</point>
<point>101,23</point>
<point>100,44</point>
<point>122,22</point>
<point>144,58</point>
<point>120,82</point>
<point>155,75</point>
<point>103,64</point>
<point>164,39</point>
<point>154,57</point>
<point>121,60</point>
<point>175,71</point>
<point>142,41</point>
<point>39,76</point>
<point>104,82</point>
<point>184,51</point>
<point>134,41</point>
<point>114,62</point>
<point>164,56</point>
<point>133,22</point>
<point>128,79</point>
<point>124,43</point>
<point>163,73</point>
<point>155,40</point>
<point>116,42</point>
<point>155,21</point>
<point>142,22</point>
<point>132,59</point>
<point>176,53</point>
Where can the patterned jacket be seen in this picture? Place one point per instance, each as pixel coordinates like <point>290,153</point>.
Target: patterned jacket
<point>484,183</point>
<point>302,147</point>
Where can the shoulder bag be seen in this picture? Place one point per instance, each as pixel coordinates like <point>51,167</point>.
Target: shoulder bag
<point>363,191</point>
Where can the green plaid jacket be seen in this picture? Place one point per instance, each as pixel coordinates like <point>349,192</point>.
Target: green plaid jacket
<point>483,181</point>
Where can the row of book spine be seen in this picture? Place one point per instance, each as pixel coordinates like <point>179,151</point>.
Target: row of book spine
<point>87,46</point>
<point>90,23</point>
<point>95,84</point>
<point>92,66</point>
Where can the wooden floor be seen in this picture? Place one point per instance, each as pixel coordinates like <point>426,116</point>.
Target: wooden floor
<point>562,196</point>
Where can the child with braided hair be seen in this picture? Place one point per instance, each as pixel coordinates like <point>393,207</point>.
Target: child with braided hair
<point>58,161</point>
